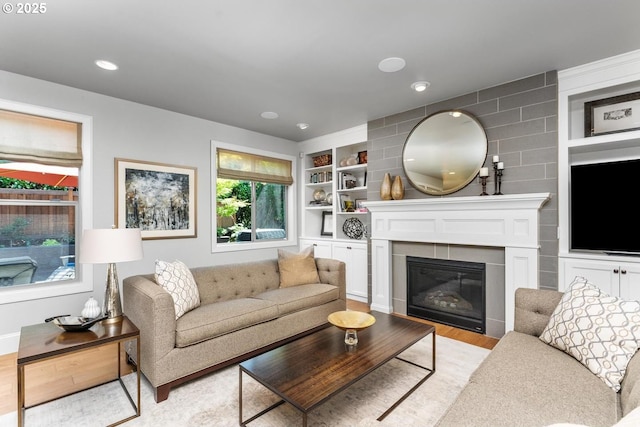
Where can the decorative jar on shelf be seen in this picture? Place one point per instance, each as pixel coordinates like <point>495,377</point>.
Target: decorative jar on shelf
<point>385,187</point>
<point>397,189</point>
<point>319,195</point>
<point>91,309</point>
<point>352,160</point>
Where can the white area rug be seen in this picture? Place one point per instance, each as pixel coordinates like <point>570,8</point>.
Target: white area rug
<point>213,400</point>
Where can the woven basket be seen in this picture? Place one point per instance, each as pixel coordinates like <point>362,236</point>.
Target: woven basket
<point>322,160</point>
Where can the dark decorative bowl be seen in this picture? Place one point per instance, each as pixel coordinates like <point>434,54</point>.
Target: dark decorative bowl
<point>75,323</point>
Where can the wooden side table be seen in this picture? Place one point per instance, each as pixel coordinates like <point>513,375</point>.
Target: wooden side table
<point>46,341</point>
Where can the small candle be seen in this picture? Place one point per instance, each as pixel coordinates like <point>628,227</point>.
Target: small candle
<point>496,159</point>
<point>484,171</point>
<point>500,165</point>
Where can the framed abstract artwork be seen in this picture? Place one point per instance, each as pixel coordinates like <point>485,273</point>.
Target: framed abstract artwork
<point>157,198</point>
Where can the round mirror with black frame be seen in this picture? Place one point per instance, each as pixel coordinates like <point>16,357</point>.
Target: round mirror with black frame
<point>444,152</point>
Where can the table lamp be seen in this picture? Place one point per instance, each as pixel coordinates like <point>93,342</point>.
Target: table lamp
<point>108,246</point>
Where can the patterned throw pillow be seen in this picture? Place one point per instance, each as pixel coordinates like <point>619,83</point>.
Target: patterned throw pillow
<point>176,278</point>
<point>600,331</point>
<point>297,269</point>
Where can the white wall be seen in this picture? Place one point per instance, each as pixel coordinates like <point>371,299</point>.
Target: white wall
<point>128,130</point>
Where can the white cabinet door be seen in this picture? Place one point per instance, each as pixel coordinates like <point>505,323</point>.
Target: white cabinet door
<point>614,278</point>
<point>321,249</point>
<point>602,274</point>
<point>630,281</point>
<point>354,255</point>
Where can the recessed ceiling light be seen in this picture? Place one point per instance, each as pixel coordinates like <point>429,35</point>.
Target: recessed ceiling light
<point>391,65</point>
<point>303,126</point>
<point>106,65</point>
<point>269,115</point>
<point>420,86</point>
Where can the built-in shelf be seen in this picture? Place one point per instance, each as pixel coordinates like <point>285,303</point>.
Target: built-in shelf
<point>319,184</point>
<point>348,190</point>
<point>352,167</point>
<point>318,221</point>
<point>319,208</point>
<point>619,75</point>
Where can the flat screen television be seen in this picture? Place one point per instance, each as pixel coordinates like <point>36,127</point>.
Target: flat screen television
<point>604,216</point>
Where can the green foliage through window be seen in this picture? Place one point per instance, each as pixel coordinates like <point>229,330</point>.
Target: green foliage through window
<point>249,210</point>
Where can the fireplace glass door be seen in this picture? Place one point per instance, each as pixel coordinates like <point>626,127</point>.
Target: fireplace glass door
<point>447,291</point>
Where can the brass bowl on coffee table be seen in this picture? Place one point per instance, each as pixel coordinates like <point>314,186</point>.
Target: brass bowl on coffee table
<point>351,322</point>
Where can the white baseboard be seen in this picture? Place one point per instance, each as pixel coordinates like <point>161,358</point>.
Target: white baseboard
<point>9,343</point>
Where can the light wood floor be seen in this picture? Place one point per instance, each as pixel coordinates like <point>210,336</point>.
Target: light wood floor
<point>82,365</point>
<point>442,330</point>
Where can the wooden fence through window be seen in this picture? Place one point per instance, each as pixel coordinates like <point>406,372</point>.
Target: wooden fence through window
<point>48,221</point>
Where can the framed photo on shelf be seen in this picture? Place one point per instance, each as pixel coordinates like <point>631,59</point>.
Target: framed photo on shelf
<point>157,198</point>
<point>327,224</point>
<point>362,157</point>
<point>610,115</point>
<point>359,205</point>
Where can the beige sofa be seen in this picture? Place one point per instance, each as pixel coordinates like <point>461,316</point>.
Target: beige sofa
<point>525,382</point>
<point>243,311</point>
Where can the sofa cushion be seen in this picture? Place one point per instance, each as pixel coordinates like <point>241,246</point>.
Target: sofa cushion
<point>238,280</point>
<point>599,330</point>
<point>212,320</point>
<point>525,382</point>
<point>630,386</point>
<point>176,278</point>
<point>296,298</point>
<point>632,419</point>
<point>297,269</point>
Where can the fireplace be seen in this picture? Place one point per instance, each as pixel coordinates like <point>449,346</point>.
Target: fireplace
<point>509,221</point>
<point>447,291</point>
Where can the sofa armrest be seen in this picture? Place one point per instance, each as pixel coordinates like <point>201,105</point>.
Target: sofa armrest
<point>333,272</point>
<point>533,309</point>
<point>151,309</point>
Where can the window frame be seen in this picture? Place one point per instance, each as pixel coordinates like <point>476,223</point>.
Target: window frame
<point>83,281</point>
<point>292,238</point>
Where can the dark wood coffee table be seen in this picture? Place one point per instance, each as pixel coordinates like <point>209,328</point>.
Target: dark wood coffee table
<point>307,372</point>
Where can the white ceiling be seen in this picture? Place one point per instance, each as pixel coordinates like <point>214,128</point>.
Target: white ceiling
<point>312,61</point>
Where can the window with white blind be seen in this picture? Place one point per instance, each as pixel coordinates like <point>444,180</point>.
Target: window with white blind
<point>44,167</point>
<point>253,198</point>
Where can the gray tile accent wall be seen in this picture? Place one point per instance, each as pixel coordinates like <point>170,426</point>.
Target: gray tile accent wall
<point>521,122</point>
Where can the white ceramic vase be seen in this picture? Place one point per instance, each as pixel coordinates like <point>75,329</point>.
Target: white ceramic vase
<point>91,309</point>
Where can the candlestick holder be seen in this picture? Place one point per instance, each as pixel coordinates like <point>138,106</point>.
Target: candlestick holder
<point>498,181</point>
<point>483,181</point>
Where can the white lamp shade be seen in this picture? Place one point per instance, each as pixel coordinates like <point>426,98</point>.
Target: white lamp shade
<point>110,245</point>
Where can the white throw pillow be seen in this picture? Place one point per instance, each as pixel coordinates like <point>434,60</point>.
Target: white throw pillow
<point>176,278</point>
<point>600,331</point>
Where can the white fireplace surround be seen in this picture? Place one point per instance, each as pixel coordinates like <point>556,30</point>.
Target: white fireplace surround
<point>508,221</point>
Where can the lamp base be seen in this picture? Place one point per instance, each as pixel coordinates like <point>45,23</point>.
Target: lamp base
<point>112,305</point>
<point>110,320</point>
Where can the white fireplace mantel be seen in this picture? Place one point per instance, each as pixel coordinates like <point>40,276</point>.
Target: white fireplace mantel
<point>508,221</point>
